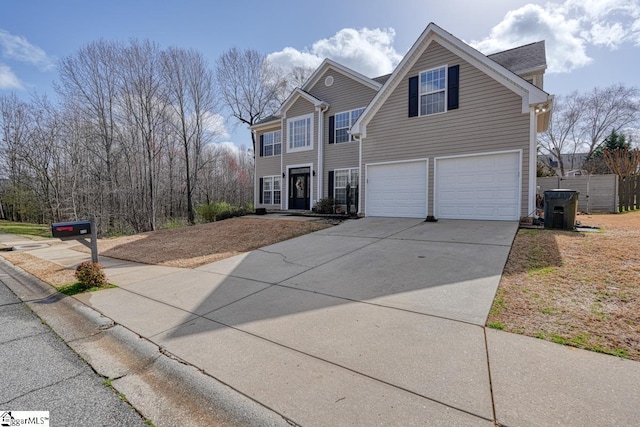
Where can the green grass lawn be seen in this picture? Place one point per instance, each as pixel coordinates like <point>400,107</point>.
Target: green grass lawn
<point>25,229</point>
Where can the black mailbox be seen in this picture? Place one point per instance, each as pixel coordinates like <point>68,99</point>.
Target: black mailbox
<point>71,230</point>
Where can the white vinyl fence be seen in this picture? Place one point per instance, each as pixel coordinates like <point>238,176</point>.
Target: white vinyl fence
<point>598,193</point>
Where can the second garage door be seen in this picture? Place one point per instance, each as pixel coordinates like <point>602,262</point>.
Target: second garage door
<point>397,189</point>
<point>478,187</point>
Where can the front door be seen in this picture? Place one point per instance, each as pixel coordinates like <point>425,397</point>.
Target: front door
<point>299,189</point>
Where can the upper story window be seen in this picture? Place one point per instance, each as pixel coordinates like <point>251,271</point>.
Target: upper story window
<point>300,133</point>
<point>343,123</point>
<point>433,88</point>
<point>272,143</point>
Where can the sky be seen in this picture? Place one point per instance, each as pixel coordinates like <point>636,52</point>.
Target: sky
<point>590,43</point>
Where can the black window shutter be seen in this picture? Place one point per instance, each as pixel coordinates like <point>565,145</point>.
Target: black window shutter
<point>330,184</point>
<point>261,184</point>
<point>413,96</point>
<point>453,87</point>
<point>261,145</point>
<point>332,129</point>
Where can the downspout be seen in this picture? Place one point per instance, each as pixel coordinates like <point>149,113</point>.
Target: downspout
<point>284,191</point>
<point>533,151</point>
<point>320,173</point>
<point>360,174</point>
<point>255,173</point>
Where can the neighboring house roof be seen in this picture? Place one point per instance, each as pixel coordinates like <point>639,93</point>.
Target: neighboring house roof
<point>523,59</point>
<point>531,95</point>
<point>329,63</point>
<point>570,161</point>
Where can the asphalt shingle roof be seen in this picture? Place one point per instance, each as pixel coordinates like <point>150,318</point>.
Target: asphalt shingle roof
<point>522,58</point>
<point>381,79</point>
<point>267,120</point>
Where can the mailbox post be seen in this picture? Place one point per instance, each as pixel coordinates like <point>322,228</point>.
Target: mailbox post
<point>78,230</point>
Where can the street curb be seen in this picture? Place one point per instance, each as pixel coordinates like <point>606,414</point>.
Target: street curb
<point>160,386</point>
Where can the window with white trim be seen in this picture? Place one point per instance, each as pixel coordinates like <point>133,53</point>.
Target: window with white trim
<point>433,91</point>
<point>300,133</point>
<point>271,190</point>
<point>272,143</point>
<point>342,177</point>
<point>343,123</point>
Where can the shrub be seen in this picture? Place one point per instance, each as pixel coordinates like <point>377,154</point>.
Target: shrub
<point>173,223</point>
<point>324,206</point>
<point>90,275</point>
<point>218,211</point>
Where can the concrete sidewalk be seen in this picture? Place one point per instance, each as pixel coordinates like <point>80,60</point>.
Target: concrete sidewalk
<point>373,322</point>
<point>40,373</point>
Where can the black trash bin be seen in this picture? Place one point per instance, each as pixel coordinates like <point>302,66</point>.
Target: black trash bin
<point>560,208</point>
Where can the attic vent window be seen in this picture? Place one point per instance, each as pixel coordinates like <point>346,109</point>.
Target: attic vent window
<point>328,81</point>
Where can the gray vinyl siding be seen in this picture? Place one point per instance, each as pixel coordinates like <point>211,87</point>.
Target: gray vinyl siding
<point>345,94</point>
<point>489,119</point>
<point>266,166</point>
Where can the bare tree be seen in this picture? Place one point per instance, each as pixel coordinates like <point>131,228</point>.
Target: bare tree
<point>89,85</point>
<point>623,162</point>
<point>191,98</point>
<point>613,107</point>
<point>294,78</point>
<point>15,126</point>
<point>128,143</point>
<point>561,136</point>
<point>250,86</point>
<point>144,99</point>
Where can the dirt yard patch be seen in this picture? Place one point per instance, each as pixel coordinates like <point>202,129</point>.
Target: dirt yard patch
<point>191,247</point>
<point>575,288</point>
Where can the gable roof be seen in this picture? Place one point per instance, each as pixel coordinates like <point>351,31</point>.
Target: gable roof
<point>331,64</point>
<point>382,79</point>
<point>523,59</point>
<point>530,94</point>
<point>265,122</point>
<point>299,93</point>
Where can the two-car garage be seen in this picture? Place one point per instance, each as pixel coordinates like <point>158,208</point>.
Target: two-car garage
<point>482,186</point>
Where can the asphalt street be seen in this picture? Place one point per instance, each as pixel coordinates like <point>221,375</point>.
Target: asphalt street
<point>39,372</point>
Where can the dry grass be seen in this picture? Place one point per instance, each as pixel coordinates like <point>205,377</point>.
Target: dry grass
<point>52,273</point>
<point>580,289</point>
<point>191,247</point>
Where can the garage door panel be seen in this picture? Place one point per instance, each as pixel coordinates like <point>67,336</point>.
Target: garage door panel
<point>478,187</point>
<point>397,190</point>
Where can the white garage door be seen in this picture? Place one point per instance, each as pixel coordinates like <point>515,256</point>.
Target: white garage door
<point>478,187</point>
<point>397,190</point>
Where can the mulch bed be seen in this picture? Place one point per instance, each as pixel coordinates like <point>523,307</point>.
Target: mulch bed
<point>191,247</point>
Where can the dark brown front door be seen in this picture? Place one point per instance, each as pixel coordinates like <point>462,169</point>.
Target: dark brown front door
<point>299,189</point>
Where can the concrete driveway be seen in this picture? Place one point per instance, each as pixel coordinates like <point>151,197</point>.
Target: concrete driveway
<point>449,269</point>
<point>375,321</point>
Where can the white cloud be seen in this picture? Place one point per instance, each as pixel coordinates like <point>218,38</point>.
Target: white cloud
<point>566,50</point>
<point>8,80</point>
<point>290,57</point>
<point>368,51</point>
<point>569,28</point>
<point>19,48</point>
<point>603,34</point>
